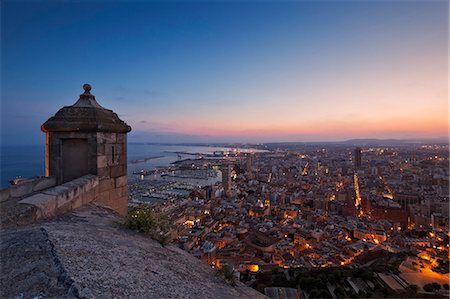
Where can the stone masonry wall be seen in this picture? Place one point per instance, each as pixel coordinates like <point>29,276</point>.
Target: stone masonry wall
<point>107,158</point>
<point>112,171</point>
<point>27,188</point>
<point>63,198</point>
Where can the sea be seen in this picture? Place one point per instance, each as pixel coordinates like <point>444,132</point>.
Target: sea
<point>27,161</point>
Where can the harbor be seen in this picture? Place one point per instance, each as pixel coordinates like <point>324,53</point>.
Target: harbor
<point>173,182</point>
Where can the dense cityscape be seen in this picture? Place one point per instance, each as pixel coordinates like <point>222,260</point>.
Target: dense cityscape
<point>237,149</point>
<point>367,221</point>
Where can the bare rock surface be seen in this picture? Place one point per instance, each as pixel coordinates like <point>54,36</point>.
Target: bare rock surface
<point>14,214</point>
<point>88,254</point>
<point>30,267</point>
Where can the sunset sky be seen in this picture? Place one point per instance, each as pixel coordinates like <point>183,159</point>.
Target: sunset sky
<point>230,71</point>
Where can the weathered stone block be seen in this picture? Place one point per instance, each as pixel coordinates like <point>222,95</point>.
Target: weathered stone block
<point>63,194</point>
<point>63,209</point>
<point>103,172</point>
<point>102,161</point>
<point>100,149</point>
<point>64,203</point>
<point>119,205</point>
<point>46,204</point>
<point>44,183</point>
<point>89,196</point>
<point>87,181</point>
<point>5,194</point>
<point>22,189</point>
<point>103,137</point>
<point>103,197</point>
<point>77,202</point>
<point>93,181</point>
<point>121,181</point>
<point>115,194</point>
<point>117,171</point>
<point>75,188</point>
<point>122,159</point>
<point>106,184</point>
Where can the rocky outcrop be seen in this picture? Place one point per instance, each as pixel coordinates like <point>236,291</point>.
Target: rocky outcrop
<point>30,266</point>
<point>89,254</point>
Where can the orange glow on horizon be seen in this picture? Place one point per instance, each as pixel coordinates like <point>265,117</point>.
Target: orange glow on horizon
<point>382,128</point>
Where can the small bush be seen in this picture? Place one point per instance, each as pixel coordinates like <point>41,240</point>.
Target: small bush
<point>144,219</point>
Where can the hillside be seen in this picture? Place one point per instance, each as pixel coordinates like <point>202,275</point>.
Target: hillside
<point>87,254</point>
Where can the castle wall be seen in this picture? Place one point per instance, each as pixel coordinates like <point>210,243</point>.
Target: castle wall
<point>27,188</point>
<point>63,198</point>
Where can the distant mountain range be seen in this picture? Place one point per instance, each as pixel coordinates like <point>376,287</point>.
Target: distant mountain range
<point>366,142</point>
<point>350,142</point>
<point>374,141</point>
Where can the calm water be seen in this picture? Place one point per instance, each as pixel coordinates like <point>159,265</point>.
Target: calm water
<point>23,160</point>
<point>29,161</point>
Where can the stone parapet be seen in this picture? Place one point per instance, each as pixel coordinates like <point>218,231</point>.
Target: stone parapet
<point>27,188</point>
<point>63,198</point>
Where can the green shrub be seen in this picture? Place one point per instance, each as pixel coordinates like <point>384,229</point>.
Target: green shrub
<point>144,219</point>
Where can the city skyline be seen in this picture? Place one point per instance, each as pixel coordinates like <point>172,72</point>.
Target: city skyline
<point>231,72</point>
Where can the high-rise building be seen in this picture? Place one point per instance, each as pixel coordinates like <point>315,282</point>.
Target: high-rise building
<point>226,179</point>
<point>249,164</point>
<point>357,157</point>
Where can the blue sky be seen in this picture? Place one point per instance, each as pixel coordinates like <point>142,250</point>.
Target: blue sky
<point>230,71</point>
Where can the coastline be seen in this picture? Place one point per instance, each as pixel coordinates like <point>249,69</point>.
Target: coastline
<point>29,160</point>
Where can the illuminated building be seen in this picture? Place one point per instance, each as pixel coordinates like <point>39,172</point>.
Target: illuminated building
<point>253,268</point>
<point>226,179</point>
<point>249,164</point>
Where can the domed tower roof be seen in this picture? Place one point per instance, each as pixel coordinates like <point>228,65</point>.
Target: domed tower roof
<point>86,115</point>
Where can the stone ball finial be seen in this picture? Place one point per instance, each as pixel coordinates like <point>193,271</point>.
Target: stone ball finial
<point>87,88</point>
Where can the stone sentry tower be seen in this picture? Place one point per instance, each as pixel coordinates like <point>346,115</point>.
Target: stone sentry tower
<point>86,138</point>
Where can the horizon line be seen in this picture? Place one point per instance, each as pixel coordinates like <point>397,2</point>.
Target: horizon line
<point>438,140</point>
